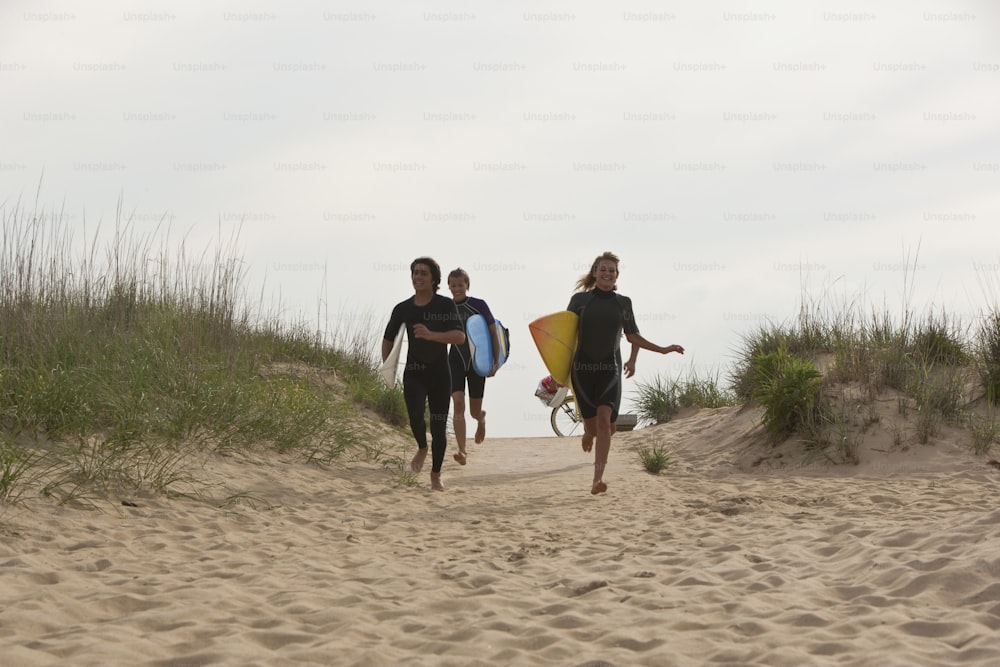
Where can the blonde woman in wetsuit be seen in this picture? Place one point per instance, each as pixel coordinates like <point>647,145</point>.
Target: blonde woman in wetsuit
<point>597,365</point>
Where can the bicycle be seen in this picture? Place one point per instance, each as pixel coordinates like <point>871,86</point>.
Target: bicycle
<point>565,419</point>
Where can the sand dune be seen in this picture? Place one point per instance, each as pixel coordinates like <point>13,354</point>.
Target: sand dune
<point>730,558</point>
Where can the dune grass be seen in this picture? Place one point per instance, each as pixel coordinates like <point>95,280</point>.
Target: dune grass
<point>658,400</point>
<point>940,371</point>
<point>988,355</point>
<point>788,387</point>
<point>123,358</point>
<point>824,378</point>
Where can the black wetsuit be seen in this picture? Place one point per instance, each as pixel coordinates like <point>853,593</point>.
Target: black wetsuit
<point>460,356</point>
<point>597,364</point>
<point>426,377</point>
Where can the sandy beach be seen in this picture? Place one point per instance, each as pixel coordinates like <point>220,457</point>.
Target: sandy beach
<point>728,558</point>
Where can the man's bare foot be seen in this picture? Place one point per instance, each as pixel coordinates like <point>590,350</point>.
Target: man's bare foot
<point>436,484</point>
<point>460,457</point>
<point>598,487</point>
<point>417,464</point>
<point>481,429</point>
<point>587,442</point>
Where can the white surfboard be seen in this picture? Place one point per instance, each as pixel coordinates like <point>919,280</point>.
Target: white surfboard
<point>390,366</point>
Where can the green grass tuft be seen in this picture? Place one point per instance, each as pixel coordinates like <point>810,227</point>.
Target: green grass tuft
<point>655,458</point>
<point>789,389</point>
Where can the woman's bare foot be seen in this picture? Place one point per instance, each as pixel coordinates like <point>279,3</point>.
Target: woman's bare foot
<point>460,457</point>
<point>587,442</point>
<point>436,484</point>
<point>481,429</point>
<point>598,487</point>
<point>417,464</point>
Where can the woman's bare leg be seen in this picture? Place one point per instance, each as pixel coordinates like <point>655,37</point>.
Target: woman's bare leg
<point>589,433</point>
<point>603,441</point>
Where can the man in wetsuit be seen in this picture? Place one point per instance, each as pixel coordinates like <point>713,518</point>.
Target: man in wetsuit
<point>432,323</point>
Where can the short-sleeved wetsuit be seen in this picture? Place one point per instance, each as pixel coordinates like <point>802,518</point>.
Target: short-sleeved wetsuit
<point>597,364</point>
<point>426,376</point>
<point>460,356</point>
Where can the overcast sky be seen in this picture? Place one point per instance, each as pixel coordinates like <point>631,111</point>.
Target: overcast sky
<point>733,155</point>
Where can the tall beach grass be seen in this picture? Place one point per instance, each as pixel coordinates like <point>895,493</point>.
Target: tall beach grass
<point>661,398</point>
<point>822,377</point>
<point>825,377</point>
<point>125,356</point>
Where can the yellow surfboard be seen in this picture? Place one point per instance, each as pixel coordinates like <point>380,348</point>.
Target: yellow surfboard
<point>555,338</point>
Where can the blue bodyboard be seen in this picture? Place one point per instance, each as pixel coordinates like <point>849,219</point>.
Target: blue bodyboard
<point>480,344</point>
<point>504,337</point>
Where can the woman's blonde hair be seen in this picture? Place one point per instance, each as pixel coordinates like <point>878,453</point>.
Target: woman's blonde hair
<point>587,280</point>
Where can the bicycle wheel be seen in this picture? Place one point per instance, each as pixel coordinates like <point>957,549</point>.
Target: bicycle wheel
<point>565,420</point>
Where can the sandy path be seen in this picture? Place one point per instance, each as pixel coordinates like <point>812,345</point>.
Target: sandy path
<point>517,564</point>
